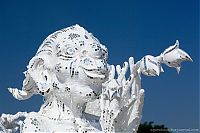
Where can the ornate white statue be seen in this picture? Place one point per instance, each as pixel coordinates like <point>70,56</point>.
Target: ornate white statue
<point>81,90</point>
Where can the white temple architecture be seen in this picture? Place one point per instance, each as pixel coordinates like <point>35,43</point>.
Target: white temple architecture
<point>84,93</point>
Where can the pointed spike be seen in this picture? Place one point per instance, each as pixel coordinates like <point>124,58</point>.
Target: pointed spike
<point>178,69</point>
<point>157,74</point>
<point>161,69</point>
<point>177,44</point>
<point>10,90</point>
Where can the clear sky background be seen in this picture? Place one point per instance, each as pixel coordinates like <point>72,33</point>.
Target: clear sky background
<point>128,28</point>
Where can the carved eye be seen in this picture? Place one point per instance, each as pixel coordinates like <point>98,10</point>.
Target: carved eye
<point>94,50</point>
<point>70,51</point>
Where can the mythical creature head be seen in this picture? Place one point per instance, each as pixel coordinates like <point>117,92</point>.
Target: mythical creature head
<point>75,53</point>
<point>68,56</point>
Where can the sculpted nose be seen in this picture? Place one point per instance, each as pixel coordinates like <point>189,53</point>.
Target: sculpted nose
<point>102,66</point>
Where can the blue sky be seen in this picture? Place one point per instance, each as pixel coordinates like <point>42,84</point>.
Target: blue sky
<point>128,28</point>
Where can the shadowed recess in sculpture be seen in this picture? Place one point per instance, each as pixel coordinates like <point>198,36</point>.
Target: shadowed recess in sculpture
<point>70,70</point>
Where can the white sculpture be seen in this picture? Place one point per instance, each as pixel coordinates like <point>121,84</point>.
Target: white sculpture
<point>71,72</point>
